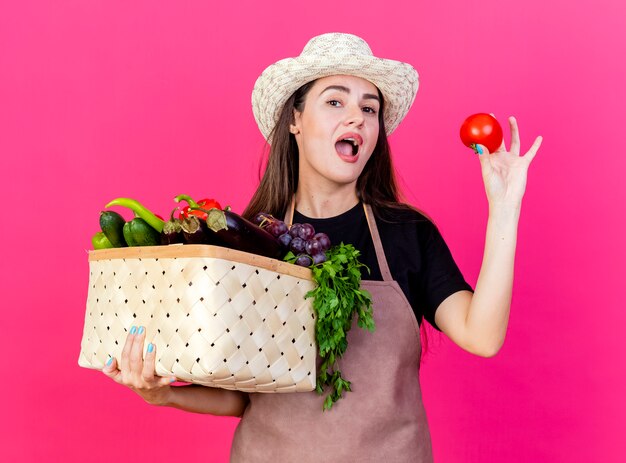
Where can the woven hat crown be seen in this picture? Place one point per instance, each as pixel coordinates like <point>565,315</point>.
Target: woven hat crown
<point>337,44</point>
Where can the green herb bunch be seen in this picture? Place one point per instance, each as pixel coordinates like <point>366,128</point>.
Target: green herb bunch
<point>336,299</point>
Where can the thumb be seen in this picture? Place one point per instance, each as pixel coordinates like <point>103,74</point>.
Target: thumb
<point>484,157</point>
<point>167,380</point>
<point>482,150</point>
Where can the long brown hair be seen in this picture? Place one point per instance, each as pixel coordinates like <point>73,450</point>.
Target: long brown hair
<point>376,186</point>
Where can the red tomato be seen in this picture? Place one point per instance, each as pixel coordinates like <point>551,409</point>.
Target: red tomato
<point>481,129</point>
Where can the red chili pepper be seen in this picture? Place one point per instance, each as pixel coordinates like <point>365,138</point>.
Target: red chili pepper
<point>207,203</point>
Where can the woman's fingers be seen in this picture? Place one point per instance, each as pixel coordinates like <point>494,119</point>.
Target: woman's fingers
<point>125,363</point>
<point>149,368</point>
<point>136,371</point>
<point>482,149</point>
<point>147,374</point>
<point>110,370</point>
<point>515,143</point>
<point>530,154</point>
<point>141,376</point>
<point>136,352</point>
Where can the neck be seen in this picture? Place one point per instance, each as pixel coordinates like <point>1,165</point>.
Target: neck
<point>320,202</point>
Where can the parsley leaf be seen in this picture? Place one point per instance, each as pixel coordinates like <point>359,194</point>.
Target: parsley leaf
<point>337,298</point>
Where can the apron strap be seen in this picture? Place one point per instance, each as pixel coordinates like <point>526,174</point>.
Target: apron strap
<point>371,223</point>
<point>378,245</point>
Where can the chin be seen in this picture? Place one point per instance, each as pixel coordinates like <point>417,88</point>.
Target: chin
<point>344,179</point>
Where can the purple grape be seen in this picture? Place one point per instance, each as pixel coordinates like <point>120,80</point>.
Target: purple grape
<point>297,245</point>
<point>260,217</point>
<point>269,227</point>
<point>277,228</point>
<point>319,258</point>
<point>285,239</point>
<point>313,247</point>
<point>324,240</point>
<point>295,228</point>
<point>304,260</point>
<point>306,231</point>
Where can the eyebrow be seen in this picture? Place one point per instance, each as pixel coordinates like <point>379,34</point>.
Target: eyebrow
<point>341,88</point>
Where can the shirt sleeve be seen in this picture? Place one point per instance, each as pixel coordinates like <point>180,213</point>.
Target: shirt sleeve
<point>441,276</point>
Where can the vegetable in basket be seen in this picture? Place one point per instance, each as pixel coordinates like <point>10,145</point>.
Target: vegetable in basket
<point>196,208</point>
<point>140,211</point>
<point>112,224</point>
<point>138,232</point>
<point>195,230</point>
<point>100,241</point>
<point>172,232</point>
<point>241,234</point>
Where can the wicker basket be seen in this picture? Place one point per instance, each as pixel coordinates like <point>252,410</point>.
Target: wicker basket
<point>218,317</point>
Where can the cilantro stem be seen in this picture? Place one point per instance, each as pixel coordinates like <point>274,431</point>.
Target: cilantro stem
<point>337,298</point>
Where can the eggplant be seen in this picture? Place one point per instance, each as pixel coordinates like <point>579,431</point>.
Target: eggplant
<point>172,232</point>
<point>241,234</point>
<point>195,231</point>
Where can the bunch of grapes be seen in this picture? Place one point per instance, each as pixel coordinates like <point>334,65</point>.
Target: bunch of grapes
<point>308,247</point>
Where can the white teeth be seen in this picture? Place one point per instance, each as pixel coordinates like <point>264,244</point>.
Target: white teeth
<point>354,143</point>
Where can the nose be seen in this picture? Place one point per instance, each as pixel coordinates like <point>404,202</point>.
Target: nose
<point>354,115</point>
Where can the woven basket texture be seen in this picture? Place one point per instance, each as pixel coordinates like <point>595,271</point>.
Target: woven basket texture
<point>218,317</point>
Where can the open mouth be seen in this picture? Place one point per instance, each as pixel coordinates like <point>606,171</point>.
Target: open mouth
<point>347,147</point>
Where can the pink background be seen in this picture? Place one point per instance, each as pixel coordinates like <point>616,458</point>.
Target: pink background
<point>152,99</point>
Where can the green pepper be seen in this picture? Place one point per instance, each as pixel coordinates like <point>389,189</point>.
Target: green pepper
<point>140,211</point>
<point>137,232</point>
<point>100,241</point>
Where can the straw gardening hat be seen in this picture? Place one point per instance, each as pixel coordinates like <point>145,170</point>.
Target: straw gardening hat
<point>334,54</point>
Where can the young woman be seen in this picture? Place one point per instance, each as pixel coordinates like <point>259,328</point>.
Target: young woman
<point>326,115</point>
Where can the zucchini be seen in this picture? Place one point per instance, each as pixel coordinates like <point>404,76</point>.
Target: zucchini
<point>137,232</point>
<point>112,225</point>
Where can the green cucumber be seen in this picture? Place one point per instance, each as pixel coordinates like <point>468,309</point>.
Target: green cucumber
<point>137,232</point>
<point>100,241</point>
<point>112,225</point>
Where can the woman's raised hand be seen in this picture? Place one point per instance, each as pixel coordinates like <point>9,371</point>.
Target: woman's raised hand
<point>505,172</point>
<point>138,373</point>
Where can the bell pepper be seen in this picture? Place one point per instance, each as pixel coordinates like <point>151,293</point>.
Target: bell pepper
<point>194,208</point>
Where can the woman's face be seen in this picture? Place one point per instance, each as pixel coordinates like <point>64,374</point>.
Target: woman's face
<point>335,108</point>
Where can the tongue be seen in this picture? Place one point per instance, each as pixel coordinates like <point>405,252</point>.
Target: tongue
<point>344,148</point>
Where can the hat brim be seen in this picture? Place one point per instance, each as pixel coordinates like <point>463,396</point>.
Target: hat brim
<point>397,81</point>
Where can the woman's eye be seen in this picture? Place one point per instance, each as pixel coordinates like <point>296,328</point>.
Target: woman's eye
<point>332,103</point>
<point>370,110</point>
